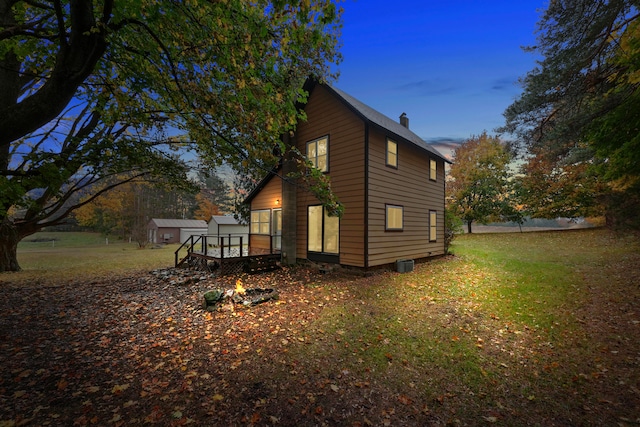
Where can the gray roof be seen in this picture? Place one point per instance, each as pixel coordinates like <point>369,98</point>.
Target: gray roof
<point>179,223</point>
<point>385,122</point>
<point>224,220</point>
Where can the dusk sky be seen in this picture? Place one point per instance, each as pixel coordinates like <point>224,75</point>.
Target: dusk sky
<point>451,65</point>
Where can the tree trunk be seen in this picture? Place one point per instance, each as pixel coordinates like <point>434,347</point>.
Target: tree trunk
<point>9,239</point>
<point>469,226</point>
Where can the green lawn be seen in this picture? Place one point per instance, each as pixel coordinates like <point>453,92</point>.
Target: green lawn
<point>68,256</point>
<point>512,329</point>
<point>512,320</point>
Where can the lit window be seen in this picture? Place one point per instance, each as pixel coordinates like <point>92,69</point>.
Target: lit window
<point>395,220</point>
<point>392,153</point>
<point>324,231</point>
<point>318,153</point>
<point>433,169</point>
<point>260,222</point>
<point>433,226</point>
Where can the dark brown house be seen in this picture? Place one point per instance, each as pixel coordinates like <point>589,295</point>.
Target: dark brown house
<point>390,181</point>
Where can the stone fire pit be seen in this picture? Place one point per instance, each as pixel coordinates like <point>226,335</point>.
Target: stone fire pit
<point>246,297</point>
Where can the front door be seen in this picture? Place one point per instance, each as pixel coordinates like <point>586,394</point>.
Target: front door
<point>277,229</point>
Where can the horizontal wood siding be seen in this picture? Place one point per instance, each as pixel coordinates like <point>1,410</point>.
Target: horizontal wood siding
<point>408,186</point>
<point>266,199</point>
<point>259,241</point>
<point>328,116</point>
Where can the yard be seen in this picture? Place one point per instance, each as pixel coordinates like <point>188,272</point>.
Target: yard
<point>513,329</point>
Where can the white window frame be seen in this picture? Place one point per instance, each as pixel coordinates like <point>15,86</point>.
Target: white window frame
<point>258,221</point>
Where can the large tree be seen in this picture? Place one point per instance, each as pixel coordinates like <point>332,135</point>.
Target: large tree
<point>215,196</point>
<point>93,90</point>
<point>478,186</point>
<point>126,209</point>
<point>579,110</point>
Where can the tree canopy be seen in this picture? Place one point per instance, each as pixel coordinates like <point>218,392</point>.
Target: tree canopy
<point>477,188</point>
<point>579,107</point>
<point>94,90</point>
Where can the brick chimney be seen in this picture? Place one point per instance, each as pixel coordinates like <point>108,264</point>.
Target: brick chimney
<point>404,120</point>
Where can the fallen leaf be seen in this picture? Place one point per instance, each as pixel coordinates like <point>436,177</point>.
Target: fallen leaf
<point>119,388</point>
<point>405,400</point>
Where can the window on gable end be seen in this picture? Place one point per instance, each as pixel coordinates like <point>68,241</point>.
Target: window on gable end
<point>433,169</point>
<point>392,153</point>
<point>318,153</point>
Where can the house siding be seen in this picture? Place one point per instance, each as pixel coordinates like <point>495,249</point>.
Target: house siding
<point>364,184</point>
<point>173,232</point>
<point>409,186</point>
<point>266,199</point>
<point>328,116</point>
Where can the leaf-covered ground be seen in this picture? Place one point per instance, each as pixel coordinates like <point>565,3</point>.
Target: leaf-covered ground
<point>423,348</point>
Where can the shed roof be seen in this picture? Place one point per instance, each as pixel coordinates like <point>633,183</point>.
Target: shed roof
<point>179,223</point>
<point>224,220</point>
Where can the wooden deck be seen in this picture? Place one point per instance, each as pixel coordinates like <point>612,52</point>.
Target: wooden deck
<point>228,254</point>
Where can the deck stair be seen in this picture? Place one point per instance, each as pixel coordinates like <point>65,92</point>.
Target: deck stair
<point>227,255</point>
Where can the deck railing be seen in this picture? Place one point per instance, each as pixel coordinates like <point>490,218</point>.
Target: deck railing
<point>220,246</point>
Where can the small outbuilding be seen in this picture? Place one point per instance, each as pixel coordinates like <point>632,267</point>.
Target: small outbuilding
<point>220,225</point>
<point>174,230</point>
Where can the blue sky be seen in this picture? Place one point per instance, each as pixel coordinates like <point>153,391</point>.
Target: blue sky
<point>451,65</point>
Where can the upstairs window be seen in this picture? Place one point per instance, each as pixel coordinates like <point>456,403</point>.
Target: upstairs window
<point>261,222</point>
<point>392,153</point>
<point>318,153</point>
<point>433,169</point>
<point>395,218</point>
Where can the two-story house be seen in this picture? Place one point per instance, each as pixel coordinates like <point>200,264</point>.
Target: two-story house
<point>390,181</point>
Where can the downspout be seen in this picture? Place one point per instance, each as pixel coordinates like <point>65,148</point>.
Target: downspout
<point>366,196</point>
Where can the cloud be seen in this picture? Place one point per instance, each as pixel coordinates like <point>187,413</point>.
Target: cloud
<point>428,87</point>
<point>504,84</point>
<point>445,145</point>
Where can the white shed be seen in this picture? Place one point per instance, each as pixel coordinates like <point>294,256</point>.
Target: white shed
<point>220,225</point>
